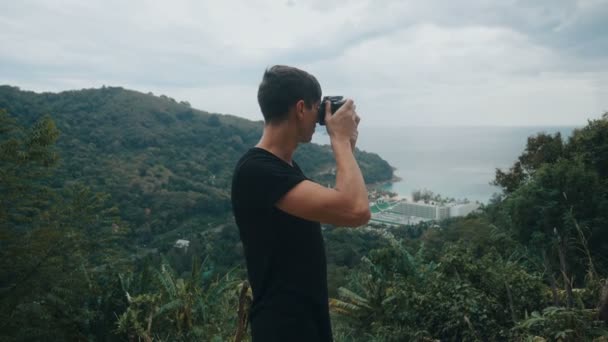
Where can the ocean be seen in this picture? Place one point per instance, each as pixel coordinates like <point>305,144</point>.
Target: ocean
<point>453,161</point>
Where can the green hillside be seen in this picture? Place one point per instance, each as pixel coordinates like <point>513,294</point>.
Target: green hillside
<point>90,212</point>
<point>166,165</point>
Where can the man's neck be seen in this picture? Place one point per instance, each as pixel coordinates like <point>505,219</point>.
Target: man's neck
<point>279,140</point>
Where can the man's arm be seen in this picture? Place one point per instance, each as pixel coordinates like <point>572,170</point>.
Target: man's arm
<point>347,204</point>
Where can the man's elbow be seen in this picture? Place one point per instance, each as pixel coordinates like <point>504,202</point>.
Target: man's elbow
<point>365,216</point>
<point>361,216</point>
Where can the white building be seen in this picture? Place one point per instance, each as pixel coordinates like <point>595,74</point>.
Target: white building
<point>458,210</point>
<point>411,213</point>
<point>426,211</point>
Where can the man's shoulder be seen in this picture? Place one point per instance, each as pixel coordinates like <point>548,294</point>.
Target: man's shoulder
<point>254,158</point>
<point>260,179</point>
<point>258,165</point>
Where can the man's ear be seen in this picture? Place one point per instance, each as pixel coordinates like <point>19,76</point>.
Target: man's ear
<point>300,106</point>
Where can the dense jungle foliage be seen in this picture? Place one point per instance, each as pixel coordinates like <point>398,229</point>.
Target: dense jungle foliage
<point>95,194</point>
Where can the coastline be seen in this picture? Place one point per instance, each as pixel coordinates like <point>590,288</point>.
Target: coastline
<point>394,179</point>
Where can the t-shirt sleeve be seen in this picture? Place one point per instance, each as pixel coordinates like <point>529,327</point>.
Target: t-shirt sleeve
<point>263,181</point>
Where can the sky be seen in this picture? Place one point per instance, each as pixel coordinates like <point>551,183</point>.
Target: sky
<point>404,63</point>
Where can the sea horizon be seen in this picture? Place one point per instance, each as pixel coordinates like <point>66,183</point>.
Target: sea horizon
<point>454,161</point>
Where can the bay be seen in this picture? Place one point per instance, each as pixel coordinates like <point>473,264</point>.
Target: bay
<point>453,161</point>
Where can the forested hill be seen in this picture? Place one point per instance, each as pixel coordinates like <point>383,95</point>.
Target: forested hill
<point>530,266</point>
<point>165,164</point>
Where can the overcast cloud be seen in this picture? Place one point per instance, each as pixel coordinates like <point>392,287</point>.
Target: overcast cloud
<point>471,62</point>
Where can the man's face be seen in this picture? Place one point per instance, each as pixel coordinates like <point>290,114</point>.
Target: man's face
<point>309,121</point>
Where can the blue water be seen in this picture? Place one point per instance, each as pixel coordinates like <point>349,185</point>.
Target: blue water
<point>457,162</point>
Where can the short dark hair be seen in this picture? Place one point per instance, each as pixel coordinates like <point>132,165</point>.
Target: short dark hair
<point>282,87</point>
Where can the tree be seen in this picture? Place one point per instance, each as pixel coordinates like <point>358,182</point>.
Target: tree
<point>591,144</point>
<point>398,296</point>
<point>25,158</point>
<point>54,242</point>
<point>540,149</point>
<point>197,307</point>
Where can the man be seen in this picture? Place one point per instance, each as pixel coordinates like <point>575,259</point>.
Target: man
<point>278,210</point>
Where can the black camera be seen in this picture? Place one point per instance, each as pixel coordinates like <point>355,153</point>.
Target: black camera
<point>336,103</point>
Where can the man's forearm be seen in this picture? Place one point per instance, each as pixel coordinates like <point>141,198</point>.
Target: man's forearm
<point>349,178</point>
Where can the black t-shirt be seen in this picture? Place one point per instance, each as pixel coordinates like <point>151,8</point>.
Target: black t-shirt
<point>285,254</point>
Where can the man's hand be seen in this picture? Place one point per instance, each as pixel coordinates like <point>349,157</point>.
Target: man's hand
<point>342,125</point>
